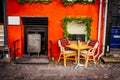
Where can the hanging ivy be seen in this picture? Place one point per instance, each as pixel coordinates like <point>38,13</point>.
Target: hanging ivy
<point>79,20</point>
<point>71,2</point>
<point>32,1</point>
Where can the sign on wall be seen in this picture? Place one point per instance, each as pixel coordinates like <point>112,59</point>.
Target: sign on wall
<point>34,43</point>
<point>13,20</point>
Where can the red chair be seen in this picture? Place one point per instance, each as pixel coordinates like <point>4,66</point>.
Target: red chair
<point>91,53</point>
<point>66,53</point>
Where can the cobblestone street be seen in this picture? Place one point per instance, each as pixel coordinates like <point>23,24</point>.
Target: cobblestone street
<point>54,71</point>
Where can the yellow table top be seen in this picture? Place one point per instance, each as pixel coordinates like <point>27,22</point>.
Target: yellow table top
<point>79,47</point>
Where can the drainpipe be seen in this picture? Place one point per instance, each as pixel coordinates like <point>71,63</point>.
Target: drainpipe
<point>99,24</point>
<point>104,31</point>
<point>5,25</point>
<point>6,48</point>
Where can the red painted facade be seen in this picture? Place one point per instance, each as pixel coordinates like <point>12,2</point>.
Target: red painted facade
<point>55,11</point>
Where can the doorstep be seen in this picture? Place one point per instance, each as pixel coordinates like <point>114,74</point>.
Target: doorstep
<point>111,58</point>
<point>33,60</point>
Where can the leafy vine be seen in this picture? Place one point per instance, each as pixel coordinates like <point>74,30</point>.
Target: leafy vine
<point>79,20</point>
<point>71,2</point>
<point>32,1</point>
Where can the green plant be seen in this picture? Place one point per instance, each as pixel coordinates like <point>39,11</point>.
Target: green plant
<point>79,20</point>
<point>66,2</point>
<point>32,1</point>
<point>71,2</point>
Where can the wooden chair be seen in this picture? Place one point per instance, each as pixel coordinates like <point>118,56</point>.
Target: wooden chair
<point>66,53</point>
<point>91,53</point>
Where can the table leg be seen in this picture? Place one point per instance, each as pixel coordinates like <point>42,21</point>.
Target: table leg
<point>78,64</point>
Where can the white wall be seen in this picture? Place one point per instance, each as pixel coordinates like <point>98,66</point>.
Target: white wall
<point>74,28</point>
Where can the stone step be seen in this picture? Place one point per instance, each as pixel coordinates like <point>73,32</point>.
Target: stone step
<point>33,60</point>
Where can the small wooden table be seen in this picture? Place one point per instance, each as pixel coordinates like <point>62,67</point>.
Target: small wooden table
<point>79,47</point>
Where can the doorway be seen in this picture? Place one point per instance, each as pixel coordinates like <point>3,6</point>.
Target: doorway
<point>1,11</point>
<point>113,26</point>
<point>35,40</point>
<point>36,26</point>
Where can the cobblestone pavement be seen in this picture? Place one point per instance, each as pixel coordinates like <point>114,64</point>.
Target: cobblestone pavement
<point>54,71</point>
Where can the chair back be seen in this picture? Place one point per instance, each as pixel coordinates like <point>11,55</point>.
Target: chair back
<point>63,42</point>
<point>93,43</point>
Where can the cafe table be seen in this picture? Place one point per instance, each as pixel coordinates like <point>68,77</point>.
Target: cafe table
<point>78,47</point>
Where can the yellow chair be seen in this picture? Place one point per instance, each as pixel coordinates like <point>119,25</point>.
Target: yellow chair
<point>91,53</point>
<point>66,54</point>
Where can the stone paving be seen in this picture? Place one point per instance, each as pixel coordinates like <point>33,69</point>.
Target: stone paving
<point>54,71</point>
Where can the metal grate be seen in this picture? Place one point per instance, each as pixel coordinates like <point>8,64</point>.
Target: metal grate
<point>35,20</point>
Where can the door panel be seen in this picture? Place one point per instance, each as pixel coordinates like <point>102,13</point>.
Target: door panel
<point>115,37</point>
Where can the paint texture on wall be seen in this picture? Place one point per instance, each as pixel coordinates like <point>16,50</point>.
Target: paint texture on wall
<point>55,11</point>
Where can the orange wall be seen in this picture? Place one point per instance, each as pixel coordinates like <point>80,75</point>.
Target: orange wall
<point>55,11</point>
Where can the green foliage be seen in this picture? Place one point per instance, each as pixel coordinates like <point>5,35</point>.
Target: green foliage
<point>84,20</point>
<point>66,2</point>
<point>32,1</point>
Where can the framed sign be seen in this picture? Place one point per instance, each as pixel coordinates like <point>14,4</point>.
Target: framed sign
<point>13,20</point>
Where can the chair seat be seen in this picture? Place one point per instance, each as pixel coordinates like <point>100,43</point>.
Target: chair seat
<point>70,51</point>
<point>84,51</point>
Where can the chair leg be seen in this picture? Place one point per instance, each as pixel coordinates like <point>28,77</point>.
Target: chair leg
<point>94,60</point>
<point>86,62</point>
<point>59,58</point>
<point>64,62</point>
